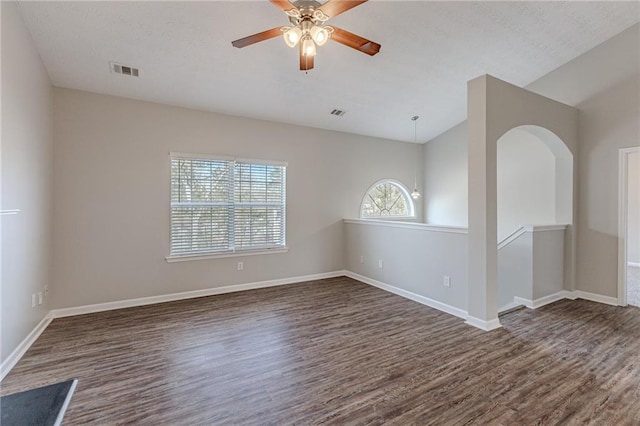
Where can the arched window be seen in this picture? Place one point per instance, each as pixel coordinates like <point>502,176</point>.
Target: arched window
<point>387,199</point>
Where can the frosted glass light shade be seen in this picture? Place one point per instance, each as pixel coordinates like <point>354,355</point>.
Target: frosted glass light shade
<point>319,34</point>
<point>292,36</point>
<point>308,47</point>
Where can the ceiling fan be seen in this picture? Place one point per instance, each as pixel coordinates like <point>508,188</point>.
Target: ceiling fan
<point>308,29</point>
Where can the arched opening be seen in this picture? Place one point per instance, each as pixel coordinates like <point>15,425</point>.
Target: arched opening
<point>534,183</point>
<point>534,179</point>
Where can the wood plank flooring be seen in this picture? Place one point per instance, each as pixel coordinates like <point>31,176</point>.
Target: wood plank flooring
<point>338,351</point>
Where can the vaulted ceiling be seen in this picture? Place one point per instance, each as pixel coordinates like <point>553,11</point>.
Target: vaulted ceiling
<point>429,51</point>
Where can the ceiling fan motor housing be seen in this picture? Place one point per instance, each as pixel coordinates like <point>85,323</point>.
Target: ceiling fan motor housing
<point>306,11</point>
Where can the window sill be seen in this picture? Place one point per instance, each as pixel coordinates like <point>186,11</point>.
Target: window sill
<point>205,256</point>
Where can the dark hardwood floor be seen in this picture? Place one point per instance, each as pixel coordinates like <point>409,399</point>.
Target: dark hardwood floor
<point>339,352</point>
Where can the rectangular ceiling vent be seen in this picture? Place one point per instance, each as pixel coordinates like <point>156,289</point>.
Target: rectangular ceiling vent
<point>124,69</point>
<point>338,112</point>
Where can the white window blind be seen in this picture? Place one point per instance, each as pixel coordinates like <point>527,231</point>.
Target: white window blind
<point>225,206</point>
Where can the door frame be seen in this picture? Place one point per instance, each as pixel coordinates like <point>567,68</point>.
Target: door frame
<point>623,179</point>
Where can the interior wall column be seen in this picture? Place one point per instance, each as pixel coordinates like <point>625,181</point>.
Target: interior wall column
<point>483,251</point>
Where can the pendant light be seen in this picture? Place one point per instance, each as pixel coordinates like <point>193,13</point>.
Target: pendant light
<point>415,194</point>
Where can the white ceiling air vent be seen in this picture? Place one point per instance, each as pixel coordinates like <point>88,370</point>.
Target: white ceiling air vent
<point>124,69</point>
<point>338,112</point>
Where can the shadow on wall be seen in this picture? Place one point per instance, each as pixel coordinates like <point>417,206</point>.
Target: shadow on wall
<point>534,179</point>
<point>535,187</point>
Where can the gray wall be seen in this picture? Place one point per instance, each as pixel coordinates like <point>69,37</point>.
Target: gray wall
<point>515,270</point>
<point>526,182</point>
<point>415,258</point>
<point>445,178</point>
<point>111,183</point>
<point>26,173</point>
<point>633,208</point>
<point>604,85</point>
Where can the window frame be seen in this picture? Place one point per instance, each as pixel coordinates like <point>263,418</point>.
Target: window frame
<point>405,192</point>
<point>232,250</point>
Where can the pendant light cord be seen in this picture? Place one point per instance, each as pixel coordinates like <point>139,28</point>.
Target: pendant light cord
<point>415,194</point>
<point>415,141</point>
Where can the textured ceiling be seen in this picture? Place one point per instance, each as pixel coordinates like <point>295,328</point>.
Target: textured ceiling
<point>429,51</point>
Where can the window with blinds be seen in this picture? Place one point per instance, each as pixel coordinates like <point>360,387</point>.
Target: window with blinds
<point>222,205</point>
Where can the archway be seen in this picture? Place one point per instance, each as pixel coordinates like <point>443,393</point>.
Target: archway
<point>534,190</point>
<point>534,179</point>
<point>495,107</point>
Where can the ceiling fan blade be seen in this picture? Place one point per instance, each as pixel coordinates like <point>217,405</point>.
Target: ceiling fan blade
<point>283,5</point>
<point>333,8</point>
<point>306,62</point>
<point>355,41</point>
<point>265,35</point>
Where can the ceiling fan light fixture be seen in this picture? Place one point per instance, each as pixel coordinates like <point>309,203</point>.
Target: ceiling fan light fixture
<point>319,15</point>
<point>307,29</point>
<point>308,47</point>
<point>319,34</point>
<point>291,35</point>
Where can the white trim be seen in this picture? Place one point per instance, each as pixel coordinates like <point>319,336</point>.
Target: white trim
<point>9,212</point>
<point>142,301</point>
<point>525,302</point>
<point>408,225</point>
<point>261,162</point>
<point>545,300</point>
<point>564,294</point>
<point>199,156</point>
<point>596,297</point>
<point>482,324</point>
<point>545,228</point>
<point>633,264</point>
<point>240,253</point>
<point>409,295</point>
<point>19,351</point>
<point>623,176</point>
<point>529,228</point>
<point>509,305</point>
<point>511,237</point>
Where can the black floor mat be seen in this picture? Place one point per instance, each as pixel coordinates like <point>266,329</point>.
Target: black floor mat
<point>40,406</point>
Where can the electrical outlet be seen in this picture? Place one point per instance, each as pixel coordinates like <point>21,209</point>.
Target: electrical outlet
<point>447,281</point>
<point>361,259</point>
<point>33,300</point>
<point>240,266</point>
<point>39,298</point>
<point>379,263</point>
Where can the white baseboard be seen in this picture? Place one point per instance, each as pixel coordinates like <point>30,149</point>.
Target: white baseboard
<point>409,295</point>
<point>18,352</point>
<point>525,302</point>
<point>596,297</point>
<point>109,306</point>
<point>482,324</point>
<point>564,294</point>
<point>545,300</point>
<point>15,356</point>
<point>509,306</point>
